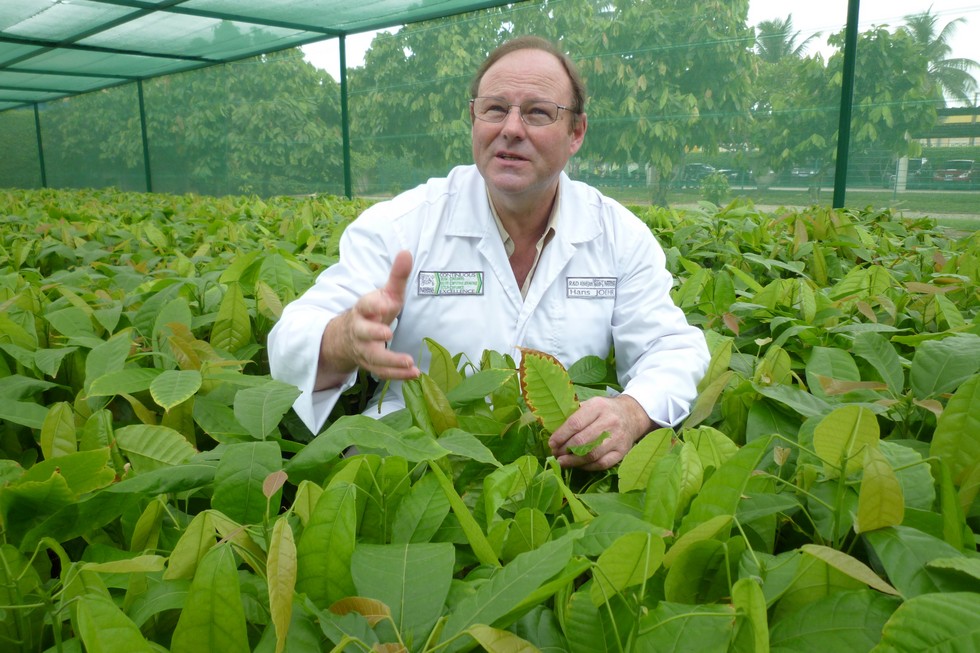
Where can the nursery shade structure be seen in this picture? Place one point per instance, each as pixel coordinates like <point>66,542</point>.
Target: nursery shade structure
<point>56,48</point>
<point>50,49</point>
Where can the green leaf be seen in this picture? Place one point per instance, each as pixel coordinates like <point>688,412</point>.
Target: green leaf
<point>152,447</point>
<point>442,370</point>
<point>584,449</point>
<point>956,439</point>
<point>120,382</point>
<point>478,386</point>
<point>843,621</point>
<point>547,389</point>
<point>103,627</point>
<point>213,619</point>
<point>58,436</point>
<point>232,328</point>
<point>110,356</point>
<point>881,354</point>
<point>326,546</point>
<point>413,580</point>
<point>83,471</point>
<point>722,492</point>
<point>753,627</point>
<point>281,572</point>
<point>881,502</point>
<point>474,534</point>
<point>441,414</point>
<point>680,627</point>
<point>933,622</point>
<point>640,461</point>
<point>631,560</point>
<point>904,553</point>
<point>495,640</point>
<point>467,445</point>
<point>841,437</point>
<point>174,387</point>
<point>420,514</point>
<point>942,365</point>
<point>239,477</point>
<point>194,543</point>
<point>260,409</point>
<point>850,566</point>
<point>508,586</point>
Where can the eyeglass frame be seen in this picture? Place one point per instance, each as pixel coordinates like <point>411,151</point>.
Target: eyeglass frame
<point>520,111</point>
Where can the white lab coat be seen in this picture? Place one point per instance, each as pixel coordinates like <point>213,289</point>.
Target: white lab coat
<point>570,311</point>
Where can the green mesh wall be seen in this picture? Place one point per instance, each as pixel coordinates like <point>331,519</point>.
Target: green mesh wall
<point>19,165</point>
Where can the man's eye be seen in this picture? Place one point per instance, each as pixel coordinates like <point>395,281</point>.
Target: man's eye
<point>495,108</point>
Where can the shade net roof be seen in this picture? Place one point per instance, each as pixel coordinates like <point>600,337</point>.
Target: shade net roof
<point>55,48</point>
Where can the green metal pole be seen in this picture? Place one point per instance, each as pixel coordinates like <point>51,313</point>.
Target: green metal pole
<point>345,118</point>
<point>146,140</point>
<point>40,146</point>
<point>846,102</point>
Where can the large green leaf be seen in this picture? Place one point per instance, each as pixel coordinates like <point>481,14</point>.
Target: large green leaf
<point>957,436</point>
<point>281,572</point>
<point>110,356</point>
<point>152,447</point>
<point>260,409</point>
<point>104,628</point>
<point>639,462</point>
<point>421,512</point>
<point>84,471</point>
<point>213,619</point>
<point>326,546</point>
<point>411,579</point>
<point>722,492</point>
<point>933,622</point>
<point>508,586</point>
<point>942,365</point>
<point>630,560</point>
<point>881,354</point>
<point>547,389</point>
<point>238,480</point>
<point>676,627</point>
<point>843,621</point>
<point>753,628</point>
<point>58,434</point>
<point>881,502</point>
<point>904,553</point>
<point>841,437</point>
<point>174,387</point>
<point>232,328</point>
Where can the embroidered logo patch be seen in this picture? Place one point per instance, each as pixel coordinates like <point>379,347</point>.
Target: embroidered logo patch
<point>591,287</point>
<point>450,283</point>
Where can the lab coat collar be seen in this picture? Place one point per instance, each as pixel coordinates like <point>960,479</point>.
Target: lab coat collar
<point>470,216</point>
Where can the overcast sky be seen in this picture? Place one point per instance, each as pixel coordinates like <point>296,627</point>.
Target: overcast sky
<point>809,17</point>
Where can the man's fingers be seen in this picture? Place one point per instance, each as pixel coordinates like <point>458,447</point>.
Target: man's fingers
<point>401,270</point>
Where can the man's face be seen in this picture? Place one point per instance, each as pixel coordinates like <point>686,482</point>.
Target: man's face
<point>518,160</point>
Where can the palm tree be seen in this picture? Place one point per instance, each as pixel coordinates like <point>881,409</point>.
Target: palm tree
<point>775,40</point>
<point>952,75</point>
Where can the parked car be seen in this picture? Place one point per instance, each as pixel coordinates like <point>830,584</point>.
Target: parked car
<point>960,173</point>
<point>918,175</point>
<point>692,174</point>
<point>737,177</point>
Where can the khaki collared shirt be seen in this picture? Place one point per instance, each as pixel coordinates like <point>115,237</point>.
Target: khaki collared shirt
<point>509,246</point>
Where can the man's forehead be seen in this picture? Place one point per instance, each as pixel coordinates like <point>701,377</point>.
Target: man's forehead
<point>526,70</point>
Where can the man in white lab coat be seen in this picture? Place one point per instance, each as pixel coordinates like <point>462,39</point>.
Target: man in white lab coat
<point>505,253</point>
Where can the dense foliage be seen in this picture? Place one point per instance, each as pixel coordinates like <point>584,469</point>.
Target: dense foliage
<point>156,492</point>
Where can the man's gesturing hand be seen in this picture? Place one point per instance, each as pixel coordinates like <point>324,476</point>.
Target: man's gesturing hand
<point>621,416</point>
<point>359,337</point>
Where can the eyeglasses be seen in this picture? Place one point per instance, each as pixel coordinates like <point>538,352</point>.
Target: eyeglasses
<point>536,113</point>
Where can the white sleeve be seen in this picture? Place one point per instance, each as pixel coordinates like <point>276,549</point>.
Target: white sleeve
<point>660,357</point>
<point>365,261</point>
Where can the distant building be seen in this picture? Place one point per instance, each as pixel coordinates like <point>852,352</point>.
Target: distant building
<point>959,126</point>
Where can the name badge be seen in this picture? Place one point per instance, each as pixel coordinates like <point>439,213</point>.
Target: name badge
<point>591,287</point>
<point>450,283</point>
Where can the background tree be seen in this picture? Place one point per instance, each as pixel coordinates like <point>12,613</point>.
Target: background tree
<point>667,78</point>
<point>894,96</point>
<point>952,75</point>
<point>775,40</point>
